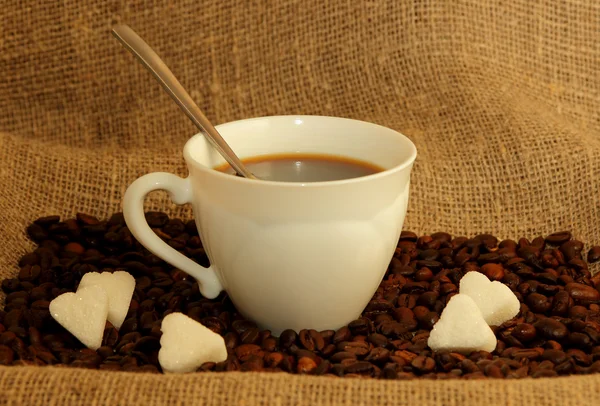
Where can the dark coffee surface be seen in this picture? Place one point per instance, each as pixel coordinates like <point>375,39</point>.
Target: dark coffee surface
<point>305,167</point>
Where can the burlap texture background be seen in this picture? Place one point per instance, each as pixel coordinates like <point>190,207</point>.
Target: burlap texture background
<point>502,100</point>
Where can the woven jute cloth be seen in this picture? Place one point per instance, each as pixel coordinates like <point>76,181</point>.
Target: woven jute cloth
<point>502,100</point>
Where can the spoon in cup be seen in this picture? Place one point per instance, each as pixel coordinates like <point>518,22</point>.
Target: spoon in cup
<point>151,61</point>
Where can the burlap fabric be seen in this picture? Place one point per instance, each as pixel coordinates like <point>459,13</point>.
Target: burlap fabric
<point>502,100</point>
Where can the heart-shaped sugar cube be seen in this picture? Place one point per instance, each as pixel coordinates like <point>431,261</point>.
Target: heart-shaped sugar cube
<point>187,344</point>
<point>461,328</point>
<point>83,314</point>
<point>495,300</point>
<point>119,287</point>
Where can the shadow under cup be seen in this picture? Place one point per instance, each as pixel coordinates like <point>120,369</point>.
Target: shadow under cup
<point>293,255</point>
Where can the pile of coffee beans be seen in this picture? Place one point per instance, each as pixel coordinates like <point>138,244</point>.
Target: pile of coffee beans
<point>557,331</point>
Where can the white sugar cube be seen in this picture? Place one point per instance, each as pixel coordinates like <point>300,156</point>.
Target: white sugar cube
<point>495,300</point>
<point>119,287</point>
<point>187,344</point>
<point>83,314</point>
<point>461,328</point>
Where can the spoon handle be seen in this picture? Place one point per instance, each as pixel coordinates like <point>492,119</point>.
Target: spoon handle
<point>146,55</point>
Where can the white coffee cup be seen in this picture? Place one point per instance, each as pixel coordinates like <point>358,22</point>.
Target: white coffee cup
<point>289,255</point>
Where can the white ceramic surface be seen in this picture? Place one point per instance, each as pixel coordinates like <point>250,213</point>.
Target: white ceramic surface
<point>290,255</point>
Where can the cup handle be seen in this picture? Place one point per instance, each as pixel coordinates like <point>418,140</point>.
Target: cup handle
<point>180,191</point>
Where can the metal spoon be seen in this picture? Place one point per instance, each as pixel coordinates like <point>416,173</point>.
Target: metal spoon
<point>150,59</point>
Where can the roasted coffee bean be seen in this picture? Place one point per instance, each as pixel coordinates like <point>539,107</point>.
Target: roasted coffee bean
<point>593,333</point>
<point>578,312</point>
<point>391,328</point>
<point>524,332</point>
<point>362,326</point>
<point>448,288</point>
<point>538,303</point>
<point>571,249</point>
<point>408,236</point>
<point>581,292</point>
<point>594,254</point>
<point>328,350</point>
<point>378,340</point>
<point>561,303</point>
<point>319,342</point>
<point>14,318</point>
<point>378,306</point>
<point>429,320</point>
<point>156,219</point>
<point>250,336</point>
<point>423,364</point>
<point>147,344</point>
<point>468,366</point>
<point>244,351</point>
<point>564,368</point>
<point>424,275</point>
<point>305,365</point>
<point>22,295</point>
<point>445,360</point>
<point>6,355</point>
<point>287,339</point>
<point>378,355</point>
<point>154,293</point>
<point>87,219</point>
<point>273,359</point>
<point>406,300</point>
<point>494,272</point>
<point>477,356</point>
<point>231,364</point>
<point>420,312</point>
<point>300,353</point>
<point>254,363</point>
<point>327,336</point>
<point>129,325</point>
<point>403,357</point>
<point>428,299</point>
<point>406,317</point>
<point>269,344</point>
<point>360,368</point>
<point>358,348</point>
<point>558,238</point>
<point>105,352</point>
<point>551,329</point>
<point>580,357</point>
<point>146,306</point>
<point>343,334</point>
<point>306,340</point>
<point>580,340</point>
<point>46,357</point>
<point>397,268</point>
<point>29,273</point>
<point>556,356</point>
<point>10,285</point>
<point>576,325</point>
<point>493,371</point>
<point>36,232</point>
<point>323,368</point>
<point>239,326</point>
<point>111,335</point>
<point>47,221</point>
<point>544,373</point>
<point>338,357</point>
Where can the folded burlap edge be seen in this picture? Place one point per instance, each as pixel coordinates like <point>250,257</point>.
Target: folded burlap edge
<point>52,385</point>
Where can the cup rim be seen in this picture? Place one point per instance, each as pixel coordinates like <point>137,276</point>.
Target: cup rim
<point>228,177</point>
